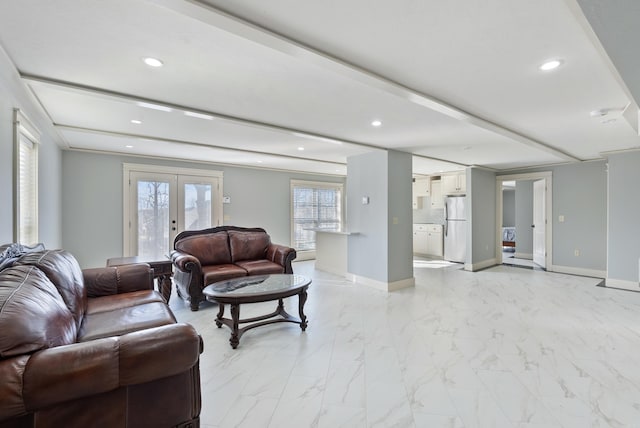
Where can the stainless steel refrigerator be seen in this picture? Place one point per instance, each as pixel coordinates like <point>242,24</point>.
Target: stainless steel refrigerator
<point>455,229</point>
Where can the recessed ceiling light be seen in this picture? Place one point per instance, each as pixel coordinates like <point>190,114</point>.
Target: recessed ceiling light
<point>301,148</point>
<point>155,106</point>
<point>153,62</point>
<point>198,115</point>
<point>136,121</point>
<point>129,146</point>
<point>550,65</point>
<point>376,123</point>
<point>258,161</point>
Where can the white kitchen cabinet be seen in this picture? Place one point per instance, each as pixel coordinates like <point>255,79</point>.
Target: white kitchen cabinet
<point>436,194</point>
<point>434,240</point>
<point>427,239</point>
<point>420,235</point>
<point>454,184</point>
<point>420,190</point>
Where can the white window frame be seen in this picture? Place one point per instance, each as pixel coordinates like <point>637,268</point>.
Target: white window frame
<point>23,129</point>
<point>310,254</point>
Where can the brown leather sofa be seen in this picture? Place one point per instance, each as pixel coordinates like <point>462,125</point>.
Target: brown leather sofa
<point>92,348</point>
<point>202,257</point>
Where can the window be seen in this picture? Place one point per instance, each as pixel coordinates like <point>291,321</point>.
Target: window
<point>27,139</point>
<point>314,206</point>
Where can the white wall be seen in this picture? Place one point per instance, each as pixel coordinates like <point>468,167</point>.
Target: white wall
<point>481,227</point>
<point>508,207</point>
<point>624,217</point>
<point>383,249</point>
<point>92,201</point>
<point>367,251</point>
<point>580,195</point>
<point>13,94</point>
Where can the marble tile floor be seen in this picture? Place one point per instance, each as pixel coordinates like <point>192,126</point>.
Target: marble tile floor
<point>502,347</point>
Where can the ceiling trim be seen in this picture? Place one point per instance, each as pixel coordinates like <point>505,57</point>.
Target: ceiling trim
<point>632,110</point>
<point>120,96</point>
<point>221,164</point>
<point>190,143</point>
<point>226,21</point>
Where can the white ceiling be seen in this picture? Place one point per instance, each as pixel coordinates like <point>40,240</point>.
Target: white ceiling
<point>454,83</point>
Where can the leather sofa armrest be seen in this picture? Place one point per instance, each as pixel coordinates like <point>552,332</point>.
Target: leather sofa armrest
<point>107,281</point>
<point>282,255</point>
<point>185,262</point>
<point>69,372</point>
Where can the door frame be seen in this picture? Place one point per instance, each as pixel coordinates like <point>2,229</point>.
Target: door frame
<point>128,168</point>
<point>547,176</point>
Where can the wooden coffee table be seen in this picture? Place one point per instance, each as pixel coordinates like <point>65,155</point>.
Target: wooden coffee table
<point>254,289</point>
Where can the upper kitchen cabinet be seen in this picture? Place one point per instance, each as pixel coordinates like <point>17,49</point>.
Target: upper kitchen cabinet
<point>437,200</point>
<point>454,183</point>
<point>420,190</point>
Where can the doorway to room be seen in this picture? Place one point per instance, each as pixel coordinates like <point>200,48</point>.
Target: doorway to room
<point>523,220</point>
<point>161,202</point>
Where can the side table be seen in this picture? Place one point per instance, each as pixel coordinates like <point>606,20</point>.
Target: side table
<point>162,271</point>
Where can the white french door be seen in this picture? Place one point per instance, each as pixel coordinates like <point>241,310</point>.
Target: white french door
<point>159,205</point>
<point>539,223</point>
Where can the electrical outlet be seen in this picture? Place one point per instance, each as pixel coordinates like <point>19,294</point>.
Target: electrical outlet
<point>560,219</point>
<point>576,253</point>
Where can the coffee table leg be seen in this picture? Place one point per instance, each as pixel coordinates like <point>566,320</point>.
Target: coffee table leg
<point>220,315</point>
<point>235,317</point>
<point>302,298</point>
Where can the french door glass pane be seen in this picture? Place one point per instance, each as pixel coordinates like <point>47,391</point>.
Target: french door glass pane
<point>153,219</point>
<point>197,206</point>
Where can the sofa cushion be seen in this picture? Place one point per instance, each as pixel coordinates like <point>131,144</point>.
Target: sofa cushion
<point>124,300</point>
<point>210,249</point>
<point>33,315</point>
<point>248,245</point>
<point>217,273</point>
<point>64,272</point>
<point>260,267</point>
<point>125,320</point>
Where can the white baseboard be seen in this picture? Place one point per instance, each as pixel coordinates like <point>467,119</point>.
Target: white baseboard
<point>577,271</point>
<point>621,283</point>
<point>472,267</point>
<point>380,285</point>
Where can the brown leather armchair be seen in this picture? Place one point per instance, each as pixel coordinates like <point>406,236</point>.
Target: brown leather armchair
<point>202,257</point>
<point>92,348</point>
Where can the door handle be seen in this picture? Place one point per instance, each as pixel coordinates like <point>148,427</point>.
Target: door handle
<point>533,225</point>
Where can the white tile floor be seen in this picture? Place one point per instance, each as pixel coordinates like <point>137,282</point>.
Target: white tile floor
<point>503,347</point>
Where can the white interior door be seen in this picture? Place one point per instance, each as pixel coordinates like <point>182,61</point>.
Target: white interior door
<point>162,205</point>
<point>539,222</point>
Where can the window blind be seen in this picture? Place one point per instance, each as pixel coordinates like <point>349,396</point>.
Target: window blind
<point>27,139</point>
<point>27,195</point>
<point>314,207</point>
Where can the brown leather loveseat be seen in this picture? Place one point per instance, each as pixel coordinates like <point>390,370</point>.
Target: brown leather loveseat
<point>92,348</point>
<point>202,257</point>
